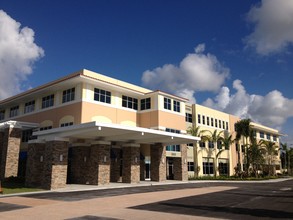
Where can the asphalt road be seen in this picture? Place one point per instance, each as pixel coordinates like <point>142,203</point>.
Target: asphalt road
<point>222,200</point>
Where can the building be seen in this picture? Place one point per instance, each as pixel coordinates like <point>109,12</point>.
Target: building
<point>87,128</point>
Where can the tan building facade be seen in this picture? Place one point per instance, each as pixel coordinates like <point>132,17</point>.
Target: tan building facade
<point>88,128</point>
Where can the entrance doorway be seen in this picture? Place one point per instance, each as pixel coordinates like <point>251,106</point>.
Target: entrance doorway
<point>170,168</point>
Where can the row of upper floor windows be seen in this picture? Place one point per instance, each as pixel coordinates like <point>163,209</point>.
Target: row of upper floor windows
<point>213,122</point>
<point>99,95</point>
<point>266,136</point>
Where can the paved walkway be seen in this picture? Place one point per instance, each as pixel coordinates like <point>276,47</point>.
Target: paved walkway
<point>148,200</point>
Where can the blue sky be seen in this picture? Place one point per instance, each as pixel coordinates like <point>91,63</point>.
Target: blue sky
<point>235,56</point>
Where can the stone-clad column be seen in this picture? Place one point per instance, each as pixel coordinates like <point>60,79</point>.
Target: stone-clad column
<point>55,164</point>
<point>35,164</point>
<point>180,165</point>
<point>99,171</point>
<point>10,146</point>
<point>158,162</point>
<point>131,163</point>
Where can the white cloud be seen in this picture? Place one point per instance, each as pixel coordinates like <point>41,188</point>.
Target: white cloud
<point>273,30</point>
<point>272,110</point>
<point>18,52</point>
<point>196,72</point>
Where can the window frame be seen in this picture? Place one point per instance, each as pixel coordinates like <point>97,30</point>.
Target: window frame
<point>145,104</point>
<point>48,101</point>
<point>68,95</point>
<point>29,106</point>
<point>129,102</point>
<point>167,103</point>
<point>102,95</point>
<point>176,106</point>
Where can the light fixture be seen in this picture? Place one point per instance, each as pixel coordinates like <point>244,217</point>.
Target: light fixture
<point>61,157</point>
<point>41,158</point>
<point>105,159</point>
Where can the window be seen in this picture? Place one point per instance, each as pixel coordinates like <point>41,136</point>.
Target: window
<point>190,145</point>
<point>14,111</point>
<point>176,106</point>
<point>173,130</point>
<point>198,118</point>
<point>208,121</point>
<point>129,102</point>
<point>68,95</point>
<point>223,125</point>
<point>190,166</point>
<point>237,147</point>
<point>45,128</point>
<point>66,124</point>
<point>29,106</point>
<point>208,166</point>
<point>167,103</point>
<point>188,117</point>
<point>227,127</point>
<point>268,136</point>
<point>2,114</point>
<point>175,148</point>
<point>261,134</point>
<point>275,138</point>
<point>102,95</point>
<point>145,104</point>
<point>26,135</point>
<point>220,124</point>
<point>223,167</point>
<point>48,101</point>
<point>202,144</point>
<point>211,144</point>
<point>212,122</point>
<point>216,123</point>
<point>203,120</point>
<point>219,145</point>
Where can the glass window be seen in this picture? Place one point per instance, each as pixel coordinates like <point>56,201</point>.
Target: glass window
<point>261,134</point>
<point>173,130</point>
<point>175,148</point>
<point>176,106</point>
<point>219,145</point>
<point>211,144</point>
<point>68,95</point>
<point>26,135</point>
<point>202,144</point>
<point>167,103</point>
<point>45,128</point>
<point>208,121</point>
<point>188,117</point>
<point>212,122</point>
<point>275,138</point>
<point>227,126</point>
<point>14,111</point>
<point>102,95</point>
<point>268,136</point>
<point>208,166</point>
<point>223,167</point>
<point>66,124</point>
<point>48,101</point>
<point>220,124</point>
<point>29,106</point>
<point>198,119</point>
<point>145,104</point>
<point>216,123</point>
<point>129,102</point>
<point>203,120</point>
<point>190,166</point>
<point>2,114</point>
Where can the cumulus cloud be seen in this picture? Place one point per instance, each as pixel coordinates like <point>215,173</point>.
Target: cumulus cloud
<point>273,30</point>
<point>197,72</point>
<point>272,110</point>
<point>18,52</point>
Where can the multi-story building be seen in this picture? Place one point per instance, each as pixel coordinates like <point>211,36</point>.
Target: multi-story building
<point>88,128</point>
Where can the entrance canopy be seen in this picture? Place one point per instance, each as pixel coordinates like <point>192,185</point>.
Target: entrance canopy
<point>116,133</point>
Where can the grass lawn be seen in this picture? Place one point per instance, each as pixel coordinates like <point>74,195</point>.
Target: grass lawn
<point>16,187</point>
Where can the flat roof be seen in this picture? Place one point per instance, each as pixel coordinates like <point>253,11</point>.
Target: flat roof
<point>116,133</point>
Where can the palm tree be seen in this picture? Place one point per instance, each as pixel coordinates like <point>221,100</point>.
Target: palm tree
<point>227,141</point>
<point>284,149</point>
<point>214,137</point>
<point>256,155</point>
<point>243,129</point>
<point>271,153</point>
<point>290,160</point>
<point>195,131</point>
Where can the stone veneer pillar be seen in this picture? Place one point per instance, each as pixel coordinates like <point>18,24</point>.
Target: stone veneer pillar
<point>55,164</point>
<point>9,151</point>
<point>180,165</point>
<point>35,164</point>
<point>99,170</point>
<point>158,162</point>
<point>131,164</point>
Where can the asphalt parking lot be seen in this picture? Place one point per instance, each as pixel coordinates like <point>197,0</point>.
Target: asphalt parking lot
<point>197,200</point>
